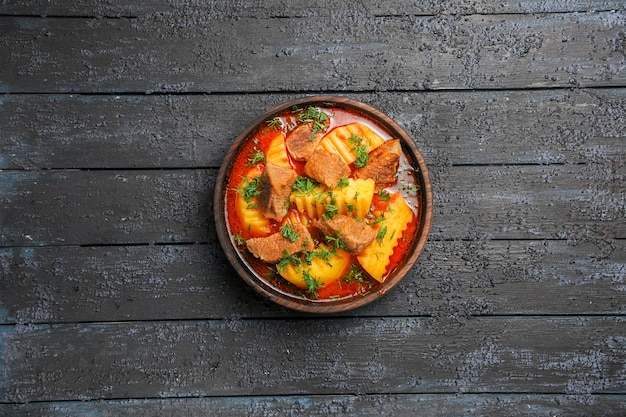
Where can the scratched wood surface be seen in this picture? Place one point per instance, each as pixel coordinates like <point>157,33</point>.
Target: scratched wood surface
<point>116,298</point>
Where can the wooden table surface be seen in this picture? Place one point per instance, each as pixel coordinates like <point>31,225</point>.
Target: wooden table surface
<point>116,298</point>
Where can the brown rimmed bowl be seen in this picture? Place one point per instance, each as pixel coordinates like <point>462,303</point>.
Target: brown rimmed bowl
<point>261,285</point>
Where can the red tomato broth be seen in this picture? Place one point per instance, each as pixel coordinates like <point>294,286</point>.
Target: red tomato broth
<point>240,167</point>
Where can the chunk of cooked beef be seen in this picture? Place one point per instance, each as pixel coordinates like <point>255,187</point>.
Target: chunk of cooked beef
<point>273,247</point>
<point>326,167</point>
<point>354,234</point>
<point>302,141</point>
<point>383,163</point>
<point>276,186</point>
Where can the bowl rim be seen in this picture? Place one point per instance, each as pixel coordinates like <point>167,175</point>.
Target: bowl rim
<point>322,306</point>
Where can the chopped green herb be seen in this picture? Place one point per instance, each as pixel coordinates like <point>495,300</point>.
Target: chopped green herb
<point>381,235</point>
<point>239,240</point>
<point>275,123</point>
<point>384,195</point>
<point>313,284</point>
<point>250,188</point>
<point>288,232</point>
<point>343,183</point>
<point>350,207</point>
<point>379,219</point>
<point>411,187</point>
<point>362,157</point>
<point>325,255</point>
<point>360,149</point>
<point>335,241</point>
<point>286,260</point>
<point>315,116</point>
<point>256,157</point>
<point>354,274</point>
<point>330,211</point>
<point>304,185</point>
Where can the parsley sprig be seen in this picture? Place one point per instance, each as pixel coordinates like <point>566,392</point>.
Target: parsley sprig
<point>380,235</point>
<point>335,241</point>
<point>331,210</point>
<point>288,259</point>
<point>248,189</point>
<point>256,157</point>
<point>288,232</point>
<point>315,116</point>
<point>313,284</point>
<point>275,123</point>
<point>360,149</point>
<point>304,185</point>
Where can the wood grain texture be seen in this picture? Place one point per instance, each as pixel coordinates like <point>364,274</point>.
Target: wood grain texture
<point>116,299</point>
<point>578,356</point>
<point>171,131</point>
<point>396,405</point>
<point>103,207</point>
<point>189,52</point>
<point>470,202</point>
<point>451,281</point>
<point>298,8</point>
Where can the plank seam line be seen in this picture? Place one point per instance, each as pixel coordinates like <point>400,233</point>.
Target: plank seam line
<point>303,317</point>
<point>570,87</point>
<point>210,168</point>
<point>328,395</point>
<point>617,239</point>
<point>459,14</point>
<point>61,16</point>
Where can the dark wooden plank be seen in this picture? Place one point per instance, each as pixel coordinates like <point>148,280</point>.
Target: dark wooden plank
<point>576,202</point>
<point>452,280</point>
<point>560,355</point>
<point>181,52</point>
<point>106,207</point>
<point>298,8</point>
<point>470,127</point>
<point>399,405</point>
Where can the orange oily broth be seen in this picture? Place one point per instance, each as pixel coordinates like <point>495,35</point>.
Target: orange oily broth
<point>259,141</point>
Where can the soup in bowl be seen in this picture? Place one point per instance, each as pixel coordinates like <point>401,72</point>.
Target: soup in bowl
<point>323,204</point>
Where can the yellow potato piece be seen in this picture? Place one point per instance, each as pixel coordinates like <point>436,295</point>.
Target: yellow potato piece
<point>352,200</point>
<point>277,151</point>
<point>251,217</point>
<point>311,203</point>
<point>376,256</point>
<point>338,140</point>
<point>356,198</point>
<point>321,270</point>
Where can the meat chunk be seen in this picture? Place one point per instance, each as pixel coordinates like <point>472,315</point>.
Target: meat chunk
<point>302,141</point>
<point>273,247</point>
<point>276,186</point>
<point>326,167</point>
<point>354,234</point>
<point>383,163</point>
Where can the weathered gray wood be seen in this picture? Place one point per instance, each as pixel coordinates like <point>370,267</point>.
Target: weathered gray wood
<point>482,127</point>
<point>398,405</point>
<point>452,280</point>
<point>190,52</point>
<point>106,207</point>
<point>575,202</point>
<point>560,355</point>
<point>515,308</point>
<point>298,8</point>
